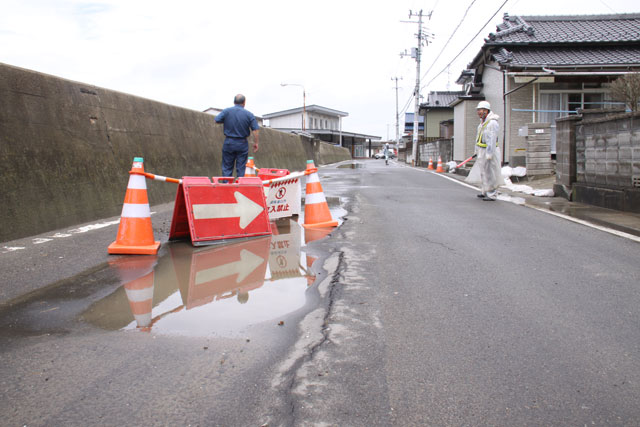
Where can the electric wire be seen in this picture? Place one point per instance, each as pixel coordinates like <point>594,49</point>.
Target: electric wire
<point>406,105</point>
<point>466,46</point>
<point>450,37</point>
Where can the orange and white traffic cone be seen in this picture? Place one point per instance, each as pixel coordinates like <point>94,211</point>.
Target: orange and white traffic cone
<point>135,233</point>
<point>430,167</point>
<point>250,169</point>
<point>439,168</point>
<point>316,209</point>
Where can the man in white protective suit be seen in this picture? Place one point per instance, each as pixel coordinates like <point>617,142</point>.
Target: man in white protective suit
<point>487,168</point>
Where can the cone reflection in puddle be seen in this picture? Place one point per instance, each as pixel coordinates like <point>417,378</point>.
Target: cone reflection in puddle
<point>214,290</point>
<point>137,275</point>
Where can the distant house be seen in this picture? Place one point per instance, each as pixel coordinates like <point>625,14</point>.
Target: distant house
<point>215,111</point>
<point>534,69</point>
<point>437,117</point>
<point>408,125</point>
<point>322,123</point>
<point>437,110</point>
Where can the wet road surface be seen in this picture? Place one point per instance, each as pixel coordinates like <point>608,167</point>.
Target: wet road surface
<point>429,307</point>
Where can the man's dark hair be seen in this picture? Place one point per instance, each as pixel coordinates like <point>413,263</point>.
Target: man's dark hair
<point>239,99</point>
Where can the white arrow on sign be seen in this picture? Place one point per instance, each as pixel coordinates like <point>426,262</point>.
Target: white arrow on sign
<point>246,209</point>
<point>245,266</point>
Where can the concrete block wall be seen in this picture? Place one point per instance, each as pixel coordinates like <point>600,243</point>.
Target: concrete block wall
<point>66,149</point>
<point>441,148</point>
<point>608,150</point>
<point>607,158</point>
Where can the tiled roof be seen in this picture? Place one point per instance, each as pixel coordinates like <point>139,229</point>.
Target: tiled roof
<point>617,28</point>
<point>578,56</point>
<point>441,99</point>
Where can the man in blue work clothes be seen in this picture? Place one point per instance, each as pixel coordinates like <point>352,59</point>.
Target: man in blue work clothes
<point>238,125</point>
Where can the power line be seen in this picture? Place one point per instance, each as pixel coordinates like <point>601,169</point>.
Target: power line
<point>407,104</point>
<point>467,45</point>
<point>450,37</point>
<point>607,6</point>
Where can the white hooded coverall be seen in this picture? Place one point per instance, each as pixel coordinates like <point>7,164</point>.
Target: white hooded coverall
<point>487,167</point>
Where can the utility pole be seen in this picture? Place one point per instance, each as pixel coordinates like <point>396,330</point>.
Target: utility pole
<point>397,117</point>
<point>416,53</point>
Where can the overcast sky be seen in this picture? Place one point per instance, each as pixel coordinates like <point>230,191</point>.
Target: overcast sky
<point>198,54</point>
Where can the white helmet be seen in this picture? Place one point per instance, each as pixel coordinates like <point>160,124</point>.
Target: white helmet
<point>483,104</point>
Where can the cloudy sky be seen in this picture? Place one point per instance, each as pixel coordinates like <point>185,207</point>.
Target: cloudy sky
<point>199,53</point>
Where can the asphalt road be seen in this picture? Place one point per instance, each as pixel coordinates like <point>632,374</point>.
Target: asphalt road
<point>430,307</point>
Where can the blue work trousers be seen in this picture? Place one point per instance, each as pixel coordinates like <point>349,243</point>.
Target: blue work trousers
<point>234,151</point>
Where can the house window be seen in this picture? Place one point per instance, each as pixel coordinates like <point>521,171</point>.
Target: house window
<point>574,101</point>
<point>563,99</point>
<point>593,100</point>
<point>586,101</point>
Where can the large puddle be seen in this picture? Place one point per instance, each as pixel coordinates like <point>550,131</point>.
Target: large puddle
<point>217,290</point>
<point>212,290</point>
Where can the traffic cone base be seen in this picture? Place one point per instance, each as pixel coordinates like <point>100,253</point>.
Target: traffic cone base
<point>127,243</point>
<point>116,249</point>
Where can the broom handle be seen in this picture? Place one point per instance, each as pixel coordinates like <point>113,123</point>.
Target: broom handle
<point>457,166</point>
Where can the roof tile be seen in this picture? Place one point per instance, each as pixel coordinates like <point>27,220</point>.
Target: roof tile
<point>578,56</point>
<point>567,29</point>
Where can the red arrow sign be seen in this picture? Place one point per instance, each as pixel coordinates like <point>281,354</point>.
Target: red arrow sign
<point>219,210</point>
<point>245,209</point>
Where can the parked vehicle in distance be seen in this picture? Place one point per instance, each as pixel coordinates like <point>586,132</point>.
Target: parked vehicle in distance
<point>380,155</point>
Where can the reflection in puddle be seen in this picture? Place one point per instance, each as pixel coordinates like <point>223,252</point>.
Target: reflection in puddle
<point>211,290</point>
<point>512,199</point>
<point>352,166</point>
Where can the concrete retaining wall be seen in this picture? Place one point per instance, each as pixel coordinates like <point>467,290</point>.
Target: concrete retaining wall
<point>66,149</point>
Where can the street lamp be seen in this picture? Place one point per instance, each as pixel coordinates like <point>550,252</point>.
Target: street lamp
<point>304,101</point>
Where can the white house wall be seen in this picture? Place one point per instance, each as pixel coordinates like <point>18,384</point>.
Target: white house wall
<point>465,125</point>
<point>317,121</point>
<point>458,131</point>
<point>290,121</point>
<point>314,121</point>
<point>492,90</point>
